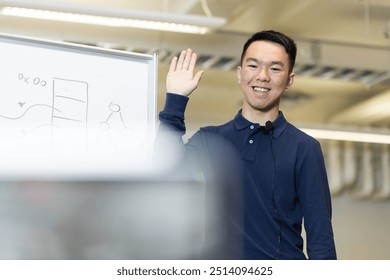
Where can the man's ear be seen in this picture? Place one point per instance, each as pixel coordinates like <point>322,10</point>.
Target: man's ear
<point>238,72</point>
<point>290,80</point>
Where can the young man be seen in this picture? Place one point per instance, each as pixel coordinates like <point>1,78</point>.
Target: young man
<point>278,170</point>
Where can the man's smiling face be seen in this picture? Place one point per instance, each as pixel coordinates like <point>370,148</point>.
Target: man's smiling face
<point>263,76</point>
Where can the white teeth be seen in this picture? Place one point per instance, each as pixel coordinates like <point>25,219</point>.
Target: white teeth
<point>260,89</point>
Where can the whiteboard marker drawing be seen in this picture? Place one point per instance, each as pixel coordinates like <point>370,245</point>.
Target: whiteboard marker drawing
<point>115,111</point>
<point>114,131</point>
<point>28,109</point>
<point>69,122</point>
<point>21,104</point>
<point>36,81</point>
<point>71,98</point>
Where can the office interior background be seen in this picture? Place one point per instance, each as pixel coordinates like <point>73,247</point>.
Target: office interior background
<point>341,93</point>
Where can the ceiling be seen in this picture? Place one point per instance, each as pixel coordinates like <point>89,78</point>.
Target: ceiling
<point>343,63</point>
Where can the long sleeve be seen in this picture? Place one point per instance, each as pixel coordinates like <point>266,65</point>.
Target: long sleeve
<point>315,199</point>
<point>172,116</point>
<point>169,146</point>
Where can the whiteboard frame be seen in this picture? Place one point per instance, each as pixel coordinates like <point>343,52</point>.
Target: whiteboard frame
<point>151,60</point>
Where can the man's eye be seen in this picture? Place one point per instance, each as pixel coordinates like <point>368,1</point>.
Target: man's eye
<point>252,66</point>
<point>275,69</point>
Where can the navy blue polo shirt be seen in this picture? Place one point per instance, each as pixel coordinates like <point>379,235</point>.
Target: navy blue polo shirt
<point>278,174</point>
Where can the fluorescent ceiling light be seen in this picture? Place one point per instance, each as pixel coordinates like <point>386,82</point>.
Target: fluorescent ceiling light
<point>365,137</point>
<point>112,17</point>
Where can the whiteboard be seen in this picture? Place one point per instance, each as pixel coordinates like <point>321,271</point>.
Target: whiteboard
<point>73,109</point>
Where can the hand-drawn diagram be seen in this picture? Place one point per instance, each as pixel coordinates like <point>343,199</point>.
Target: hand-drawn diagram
<point>73,109</point>
<point>36,80</point>
<point>21,104</point>
<point>115,111</point>
<point>70,98</point>
<point>69,116</point>
<point>62,125</point>
<point>111,128</point>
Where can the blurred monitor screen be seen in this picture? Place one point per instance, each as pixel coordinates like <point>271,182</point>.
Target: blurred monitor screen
<point>101,220</point>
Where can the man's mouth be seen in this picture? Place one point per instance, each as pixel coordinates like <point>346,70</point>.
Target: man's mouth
<point>261,89</point>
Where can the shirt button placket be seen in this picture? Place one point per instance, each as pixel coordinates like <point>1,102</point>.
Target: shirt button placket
<point>251,127</point>
<point>249,151</point>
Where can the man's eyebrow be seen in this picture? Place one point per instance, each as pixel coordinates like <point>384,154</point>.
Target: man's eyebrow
<point>275,62</point>
<point>278,63</point>
<point>251,59</point>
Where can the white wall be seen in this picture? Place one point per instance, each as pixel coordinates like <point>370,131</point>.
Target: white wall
<point>361,228</point>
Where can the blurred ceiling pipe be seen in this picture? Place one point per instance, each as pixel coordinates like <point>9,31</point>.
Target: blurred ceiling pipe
<point>349,166</point>
<point>334,167</point>
<point>384,190</point>
<point>366,185</point>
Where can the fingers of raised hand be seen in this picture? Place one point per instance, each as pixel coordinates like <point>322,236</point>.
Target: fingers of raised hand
<point>188,59</point>
<point>173,64</point>
<point>184,60</point>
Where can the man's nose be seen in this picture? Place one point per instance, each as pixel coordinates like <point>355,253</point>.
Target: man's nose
<point>263,75</point>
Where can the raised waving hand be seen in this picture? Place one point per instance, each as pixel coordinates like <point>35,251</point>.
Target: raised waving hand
<point>181,79</point>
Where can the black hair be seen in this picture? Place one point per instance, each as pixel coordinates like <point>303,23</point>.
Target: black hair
<point>276,37</point>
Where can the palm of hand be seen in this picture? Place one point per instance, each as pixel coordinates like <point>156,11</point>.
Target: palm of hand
<point>181,79</point>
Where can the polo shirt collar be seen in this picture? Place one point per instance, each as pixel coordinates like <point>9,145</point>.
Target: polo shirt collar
<point>279,124</point>
<point>240,122</point>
